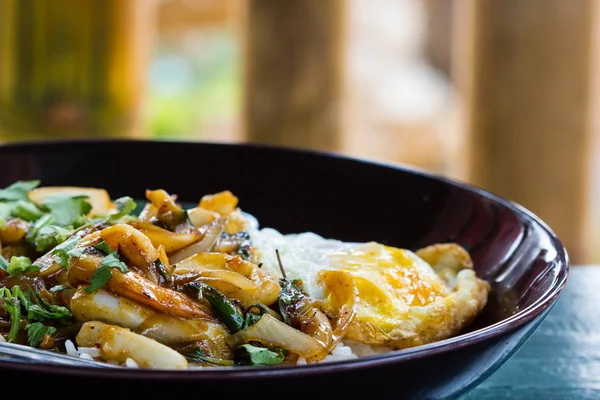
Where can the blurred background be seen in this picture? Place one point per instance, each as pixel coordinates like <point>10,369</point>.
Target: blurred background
<point>501,94</point>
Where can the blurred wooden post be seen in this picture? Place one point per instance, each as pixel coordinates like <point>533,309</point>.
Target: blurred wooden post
<point>524,69</point>
<point>293,70</point>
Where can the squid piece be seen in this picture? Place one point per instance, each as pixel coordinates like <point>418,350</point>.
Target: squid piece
<point>267,290</point>
<point>210,235</point>
<point>134,245</point>
<point>137,288</point>
<point>103,306</point>
<point>119,344</point>
<point>170,240</point>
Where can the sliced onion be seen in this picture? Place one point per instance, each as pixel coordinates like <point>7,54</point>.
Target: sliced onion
<point>232,277</point>
<point>273,333</point>
<point>210,237</point>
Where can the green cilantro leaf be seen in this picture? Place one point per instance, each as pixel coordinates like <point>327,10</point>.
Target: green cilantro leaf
<point>59,288</point>
<point>12,305</point>
<point>6,209</point>
<point>20,265</point>
<point>257,356</point>
<point>103,273</point>
<point>26,210</point>
<point>50,236</point>
<point>3,263</point>
<point>67,208</point>
<point>36,333</point>
<point>62,251</point>
<point>77,251</point>
<point>41,310</point>
<point>103,247</point>
<point>125,206</point>
<point>36,227</point>
<point>18,190</point>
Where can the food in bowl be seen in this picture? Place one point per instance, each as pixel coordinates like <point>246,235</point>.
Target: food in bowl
<point>205,286</point>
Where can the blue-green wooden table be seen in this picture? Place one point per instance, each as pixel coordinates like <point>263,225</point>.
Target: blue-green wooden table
<point>561,360</point>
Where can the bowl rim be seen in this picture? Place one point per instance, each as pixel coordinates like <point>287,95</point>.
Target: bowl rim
<point>545,301</point>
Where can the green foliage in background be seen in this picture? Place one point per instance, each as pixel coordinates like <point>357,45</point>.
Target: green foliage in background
<point>193,85</point>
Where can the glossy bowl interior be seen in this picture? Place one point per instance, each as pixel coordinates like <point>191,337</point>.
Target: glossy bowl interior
<point>336,197</point>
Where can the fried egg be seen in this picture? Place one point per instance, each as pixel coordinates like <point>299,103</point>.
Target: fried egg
<point>404,299</point>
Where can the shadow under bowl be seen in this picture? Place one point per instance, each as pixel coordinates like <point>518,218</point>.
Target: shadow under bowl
<point>336,197</point>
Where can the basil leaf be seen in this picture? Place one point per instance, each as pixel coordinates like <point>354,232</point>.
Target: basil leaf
<point>220,306</point>
<point>103,273</point>
<point>199,356</point>
<point>67,208</point>
<point>20,265</point>
<point>36,333</point>
<point>291,295</point>
<point>257,356</point>
<point>18,190</point>
<point>253,315</point>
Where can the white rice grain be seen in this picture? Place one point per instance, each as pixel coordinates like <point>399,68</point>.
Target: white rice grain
<point>91,351</point>
<point>131,363</point>
<point>71,349</point>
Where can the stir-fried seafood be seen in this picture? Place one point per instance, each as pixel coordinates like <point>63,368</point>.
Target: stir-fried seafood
<point>167,286</point>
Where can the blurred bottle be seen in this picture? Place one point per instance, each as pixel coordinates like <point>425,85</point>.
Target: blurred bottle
<point>72,68</point>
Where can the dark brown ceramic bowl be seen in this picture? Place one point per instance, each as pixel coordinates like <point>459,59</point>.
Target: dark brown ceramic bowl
<point>337,197</point>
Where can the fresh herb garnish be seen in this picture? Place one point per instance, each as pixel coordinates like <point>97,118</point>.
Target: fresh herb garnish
<point>67,208</point>
<point>26,210</point>
<point>103,273</point>
<point>253,314</point>
<point>36,333</point>
<point>19,265</point>
<point>12,305</point>
<point>103,247</point>
<point>18,190</point>
<point>59,288</point>
<point>162,270</point>
<point>290,296</point>
<point>3,264</point>
<point>259,356</point>
<point>40,310</point>
<point>125,206</point>
<point>62,251</point>
<point>49,236</point>
<point>221,307</point>
<point>199,356</point>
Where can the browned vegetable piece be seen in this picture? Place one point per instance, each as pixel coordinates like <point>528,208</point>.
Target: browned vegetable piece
<point>14,231</point>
